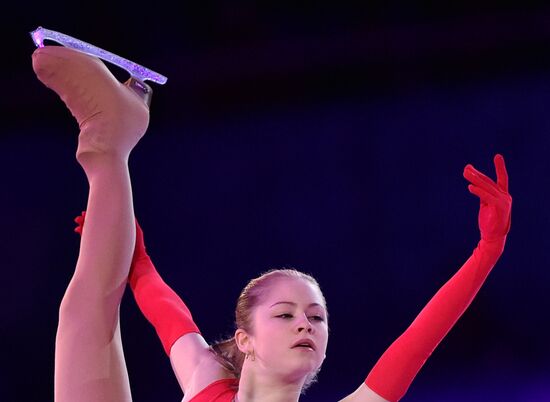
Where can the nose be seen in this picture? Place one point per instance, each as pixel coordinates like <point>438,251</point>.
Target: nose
<point>304,325</point>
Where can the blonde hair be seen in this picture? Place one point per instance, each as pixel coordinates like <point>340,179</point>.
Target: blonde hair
<point>226,351</point>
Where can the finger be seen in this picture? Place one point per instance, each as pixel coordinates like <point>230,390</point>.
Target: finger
<point>480,180</point>
<point>485,196</point>
<point>482,176</point>
<point>502,174</point>
<point>80,217</point>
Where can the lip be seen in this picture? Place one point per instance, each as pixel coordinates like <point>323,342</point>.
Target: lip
<point>309,341</point>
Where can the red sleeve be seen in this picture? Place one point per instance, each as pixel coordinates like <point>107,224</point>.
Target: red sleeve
<point>162,307</point>
<point>395,370</point>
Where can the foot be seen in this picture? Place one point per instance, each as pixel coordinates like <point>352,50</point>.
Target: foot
<point>111,116</point>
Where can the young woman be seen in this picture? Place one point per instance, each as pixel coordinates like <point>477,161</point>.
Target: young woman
<point>281,317</point>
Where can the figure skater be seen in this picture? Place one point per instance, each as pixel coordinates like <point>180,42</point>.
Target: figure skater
<point>281,317</point>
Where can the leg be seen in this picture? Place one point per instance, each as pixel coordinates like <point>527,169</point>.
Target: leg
<point>89,362</point>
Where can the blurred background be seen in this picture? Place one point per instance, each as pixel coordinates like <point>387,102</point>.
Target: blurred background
<point>324,136</point>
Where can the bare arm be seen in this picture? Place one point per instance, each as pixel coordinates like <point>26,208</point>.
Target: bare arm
<point>192,361</point>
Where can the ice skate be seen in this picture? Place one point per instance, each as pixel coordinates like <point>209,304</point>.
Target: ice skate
<point>112,117</point>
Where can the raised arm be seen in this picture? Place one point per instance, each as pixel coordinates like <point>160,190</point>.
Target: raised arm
<point>396,369</point>
<point>192,362</point>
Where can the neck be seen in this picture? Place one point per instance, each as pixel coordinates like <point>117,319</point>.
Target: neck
<point>254,387</point>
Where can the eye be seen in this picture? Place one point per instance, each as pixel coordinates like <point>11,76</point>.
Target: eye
<point>284,315</point>
<point>316,318</point>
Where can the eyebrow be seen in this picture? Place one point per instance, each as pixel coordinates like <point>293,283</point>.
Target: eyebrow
<point>295,304</point>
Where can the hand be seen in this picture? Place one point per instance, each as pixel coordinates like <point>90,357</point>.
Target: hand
<point>80,222</point>
<point>495,201</point>
<point>139,251</point>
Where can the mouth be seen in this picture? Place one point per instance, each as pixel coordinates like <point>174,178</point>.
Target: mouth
<point>304,344</point>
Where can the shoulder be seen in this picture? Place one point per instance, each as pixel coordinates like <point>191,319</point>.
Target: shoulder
<point>195,365</point>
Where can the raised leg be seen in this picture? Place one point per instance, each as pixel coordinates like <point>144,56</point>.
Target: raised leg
<point>89,361</point>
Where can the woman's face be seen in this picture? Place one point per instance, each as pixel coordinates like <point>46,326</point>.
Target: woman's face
<point>290,330</point>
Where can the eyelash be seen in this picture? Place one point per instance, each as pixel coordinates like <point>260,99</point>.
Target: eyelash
<point>288,316</point>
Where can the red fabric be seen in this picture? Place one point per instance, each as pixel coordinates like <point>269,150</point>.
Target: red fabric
<point>219,391</point>
<point>157,301</point>
<point>162,307</point>
<point>396,369</point>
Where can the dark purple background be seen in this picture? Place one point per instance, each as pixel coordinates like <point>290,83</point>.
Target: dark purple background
<point>328,138</point>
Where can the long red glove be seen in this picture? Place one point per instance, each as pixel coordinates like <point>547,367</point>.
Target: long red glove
<point>162,307</point>
<point>395,370</point>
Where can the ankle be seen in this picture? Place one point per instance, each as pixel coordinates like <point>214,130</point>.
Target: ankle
<point>96,164</point>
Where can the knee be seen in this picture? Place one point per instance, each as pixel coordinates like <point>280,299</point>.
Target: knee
<point>81,308</point>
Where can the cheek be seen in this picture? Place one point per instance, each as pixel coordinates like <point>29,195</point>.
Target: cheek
<point>323,335</point>
<point>271,345</point>
<point>266,333</point>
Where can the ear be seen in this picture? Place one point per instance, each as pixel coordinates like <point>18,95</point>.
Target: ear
<point>243,341</point>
